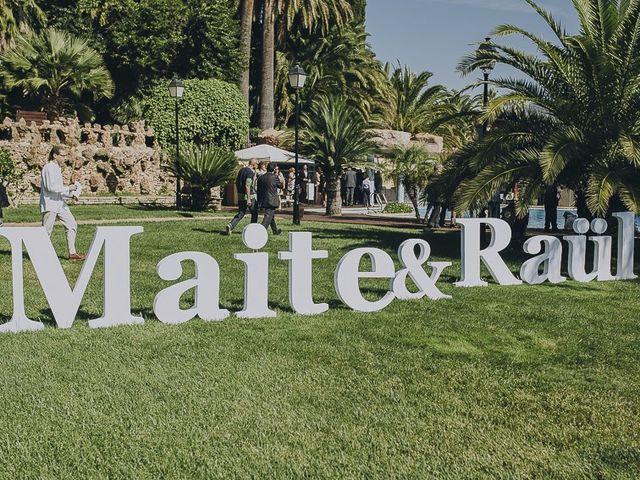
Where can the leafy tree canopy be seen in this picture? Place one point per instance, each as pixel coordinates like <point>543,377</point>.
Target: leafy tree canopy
<point>571,117</point>
<point>144,41</point>
<point>57,70</point>
<point>18,17</point>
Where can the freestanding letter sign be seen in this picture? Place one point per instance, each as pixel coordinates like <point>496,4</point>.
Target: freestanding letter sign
<point>472,254</point>
<point>413,254</point>
<point>64,301</point>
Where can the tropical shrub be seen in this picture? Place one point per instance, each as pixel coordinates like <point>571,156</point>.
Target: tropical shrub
<point>57,70</point>
<point>397,207</point>
<point>203,168</point>
<point>211,112</point>
<point>572,116</point>
<point>335,135</point>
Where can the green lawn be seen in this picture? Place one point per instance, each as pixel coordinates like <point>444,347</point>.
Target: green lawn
<point>31,213</point>
<point>508,382</point>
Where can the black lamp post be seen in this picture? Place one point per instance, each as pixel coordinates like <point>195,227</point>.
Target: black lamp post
<point>176,90</point>
<point>487,68</point>
<point>297,77</point>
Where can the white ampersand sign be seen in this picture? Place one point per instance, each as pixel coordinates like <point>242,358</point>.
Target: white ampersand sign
<point>412,263</point>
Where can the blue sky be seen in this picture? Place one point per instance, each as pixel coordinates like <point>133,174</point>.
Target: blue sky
<point>434,34</point>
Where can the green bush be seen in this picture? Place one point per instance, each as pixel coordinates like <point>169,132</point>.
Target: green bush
<point>211,112</point>
<point>396,207</point>
<point>9,173</point>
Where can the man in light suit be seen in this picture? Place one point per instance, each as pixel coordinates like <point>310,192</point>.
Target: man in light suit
<point>52,204</point>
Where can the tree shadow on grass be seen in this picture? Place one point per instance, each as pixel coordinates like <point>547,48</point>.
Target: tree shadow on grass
<point>442,244</point>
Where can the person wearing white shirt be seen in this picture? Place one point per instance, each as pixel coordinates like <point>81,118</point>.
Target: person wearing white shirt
<point>52,204</point>
<point>369,190</point>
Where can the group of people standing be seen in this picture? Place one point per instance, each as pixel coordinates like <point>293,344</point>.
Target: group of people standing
<point>359,187</point>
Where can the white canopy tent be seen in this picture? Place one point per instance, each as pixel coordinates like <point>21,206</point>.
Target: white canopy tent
<point>270,153</point>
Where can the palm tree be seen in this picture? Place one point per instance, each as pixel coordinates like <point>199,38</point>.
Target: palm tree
<point>573,119</point>
<point>267,72</point>
<point>291,15</point>
<point>414,165</point>
<point>203,168</point>
<point>413,103</point>
<point>58,69</point>
<point>246,24</point>
<point>456,120</point>
<point>335,135</point>
<point>339,62</point>
<point>18,17</point>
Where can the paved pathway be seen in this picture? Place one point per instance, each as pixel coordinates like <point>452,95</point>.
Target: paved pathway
<point>126,220</point>
<point>352,216</point>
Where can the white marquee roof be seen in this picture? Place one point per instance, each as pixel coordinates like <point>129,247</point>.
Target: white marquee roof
<point>270,153</point>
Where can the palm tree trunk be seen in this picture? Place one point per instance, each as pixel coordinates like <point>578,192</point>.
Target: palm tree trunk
<point>246,22</point>
<point>334,200</point>
<point>267,114</point>
<point>412,191</point>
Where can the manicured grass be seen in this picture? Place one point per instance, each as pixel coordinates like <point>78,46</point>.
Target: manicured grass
<point>508,382</point>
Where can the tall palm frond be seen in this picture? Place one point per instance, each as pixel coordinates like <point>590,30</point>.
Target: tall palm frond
<point>56,68</point>
<point>571,117</point>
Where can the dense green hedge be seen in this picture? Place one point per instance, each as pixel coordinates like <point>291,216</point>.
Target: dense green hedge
<point>211,112</point>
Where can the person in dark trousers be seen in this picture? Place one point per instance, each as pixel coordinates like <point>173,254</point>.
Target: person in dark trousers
<point>359,193</point>
<point>268,185</point>
<point>378,182</point>
<point>350,179</point>
<point>551,201</point>
<point>303,177</point>
<point>495,205</point>
<point>4,201</point>
<point>246,186</point>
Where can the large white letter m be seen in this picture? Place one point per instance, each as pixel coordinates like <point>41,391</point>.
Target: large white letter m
<point>64,301</point>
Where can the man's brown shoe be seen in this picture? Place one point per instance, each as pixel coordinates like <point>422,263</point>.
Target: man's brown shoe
<point>76,256</point>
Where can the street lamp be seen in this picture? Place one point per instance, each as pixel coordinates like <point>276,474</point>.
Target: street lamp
<point>487,67</point>
<point>176,90</point>
<point>484,48</point>
<point>297,77</point>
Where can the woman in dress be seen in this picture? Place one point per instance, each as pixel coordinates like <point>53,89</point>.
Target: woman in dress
<point>291,184</point>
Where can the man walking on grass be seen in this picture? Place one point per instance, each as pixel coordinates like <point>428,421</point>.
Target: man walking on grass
<point>52,204</point>
<point>268,185</point>
<point>246,186</point>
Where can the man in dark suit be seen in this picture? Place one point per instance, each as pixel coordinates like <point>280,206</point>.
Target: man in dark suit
<point>268,185</point>
<point>350,180</point>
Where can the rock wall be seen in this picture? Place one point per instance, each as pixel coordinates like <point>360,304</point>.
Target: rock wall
<point>393,138</point>
<point>104,159</point>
